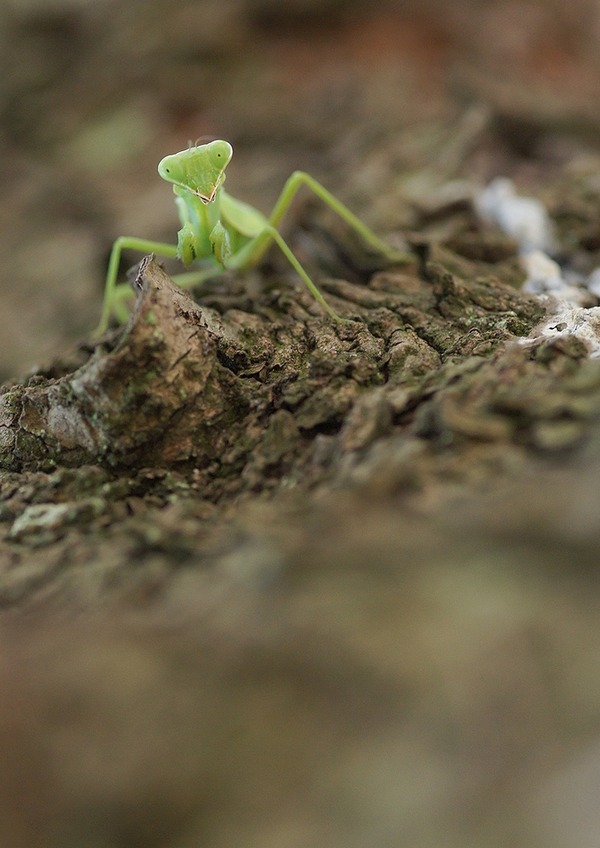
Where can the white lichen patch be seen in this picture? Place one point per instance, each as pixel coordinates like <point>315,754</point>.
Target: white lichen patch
<point>567,294</point>
<point>545,276</point>
<point>49,518</point>
<point>524,219</point>
<point>593,283</point>
<point>568,319</point>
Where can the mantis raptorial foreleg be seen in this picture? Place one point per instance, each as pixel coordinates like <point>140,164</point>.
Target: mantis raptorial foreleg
<point>227,232</point>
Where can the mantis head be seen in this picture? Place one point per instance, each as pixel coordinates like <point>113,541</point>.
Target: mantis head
<point>200,169</point>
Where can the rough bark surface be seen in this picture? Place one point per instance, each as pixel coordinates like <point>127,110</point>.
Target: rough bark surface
<point>239,398</point>
<point>184,386</point>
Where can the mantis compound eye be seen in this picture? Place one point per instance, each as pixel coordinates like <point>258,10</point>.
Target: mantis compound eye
<point>220,153</point>
<point>171,169</point>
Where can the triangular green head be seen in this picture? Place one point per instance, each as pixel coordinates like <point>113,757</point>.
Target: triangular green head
<point>200,169</point>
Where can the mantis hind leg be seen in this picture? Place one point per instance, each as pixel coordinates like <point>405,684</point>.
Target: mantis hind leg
<point>254,250</point>
<point>300,178</point>
<point>110,287</point>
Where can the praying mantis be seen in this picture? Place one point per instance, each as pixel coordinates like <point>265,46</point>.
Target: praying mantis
<point>225,232</point>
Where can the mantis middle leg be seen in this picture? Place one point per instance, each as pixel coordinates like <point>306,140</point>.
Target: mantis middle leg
<point>253,251</point>
<point>121,244</point>
<point>123,292</point>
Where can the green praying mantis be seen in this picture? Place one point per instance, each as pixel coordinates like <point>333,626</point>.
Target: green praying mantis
<point>225,232</point>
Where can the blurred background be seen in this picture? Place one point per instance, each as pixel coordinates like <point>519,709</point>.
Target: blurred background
<point>94,92</point>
